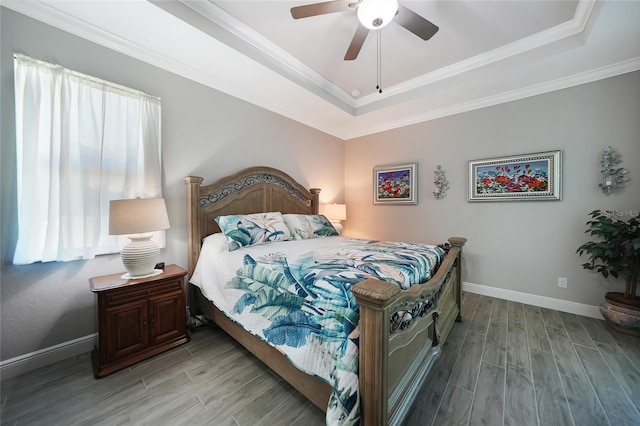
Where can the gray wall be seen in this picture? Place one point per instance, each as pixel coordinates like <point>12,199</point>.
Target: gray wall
<point>519,246</point>
<point>204,133</point>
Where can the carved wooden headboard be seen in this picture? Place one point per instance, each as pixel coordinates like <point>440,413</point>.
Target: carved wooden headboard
<point>252,190</point>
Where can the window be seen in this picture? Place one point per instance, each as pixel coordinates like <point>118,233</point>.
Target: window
<point>80,142</point>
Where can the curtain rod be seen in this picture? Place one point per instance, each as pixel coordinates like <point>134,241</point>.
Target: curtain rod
<point>90,78</point>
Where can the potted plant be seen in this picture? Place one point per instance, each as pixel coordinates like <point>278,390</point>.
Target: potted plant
<point>615,251</point>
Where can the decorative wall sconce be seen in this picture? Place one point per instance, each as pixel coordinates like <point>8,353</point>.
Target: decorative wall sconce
<point>612,178</point>
<point>441,183</point>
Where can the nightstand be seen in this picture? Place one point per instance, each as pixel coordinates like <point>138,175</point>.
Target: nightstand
<point>138,318</point>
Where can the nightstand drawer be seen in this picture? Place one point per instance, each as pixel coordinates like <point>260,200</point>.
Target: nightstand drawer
<point>126,295</point>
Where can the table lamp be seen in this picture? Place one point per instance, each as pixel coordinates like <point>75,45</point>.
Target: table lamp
<point>335,213</point>
<point>136,218</point>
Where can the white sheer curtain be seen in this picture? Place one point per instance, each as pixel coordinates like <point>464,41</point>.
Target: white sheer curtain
<point>80,142</point>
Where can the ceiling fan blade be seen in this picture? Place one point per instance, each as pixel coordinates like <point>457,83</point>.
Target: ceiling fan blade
<point>356,43</point>
<point>415,23</point>
<point>315,9</point>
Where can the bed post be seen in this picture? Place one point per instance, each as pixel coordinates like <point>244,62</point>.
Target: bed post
<point>193,220</point>
<point>373,297</point>
<point>458,242</point>
<point>316,200</point>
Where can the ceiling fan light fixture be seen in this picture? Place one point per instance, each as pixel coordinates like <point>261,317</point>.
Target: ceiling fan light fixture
<point>375,14</point>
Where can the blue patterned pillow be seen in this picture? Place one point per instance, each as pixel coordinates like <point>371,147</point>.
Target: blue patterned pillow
<point>304,227</point>
<point>251,229</point>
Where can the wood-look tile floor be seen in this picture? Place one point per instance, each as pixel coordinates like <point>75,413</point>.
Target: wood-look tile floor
<point>505,364</point>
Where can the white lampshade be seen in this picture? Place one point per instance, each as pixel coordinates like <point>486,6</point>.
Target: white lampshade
<point>376,14</point>
<point>135,218</point>
<point>335,211</point>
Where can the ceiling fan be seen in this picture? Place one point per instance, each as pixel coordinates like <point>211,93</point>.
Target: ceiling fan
<point>372,15</point>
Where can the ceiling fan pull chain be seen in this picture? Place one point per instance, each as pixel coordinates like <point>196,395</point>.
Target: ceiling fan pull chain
<point>379,65</point>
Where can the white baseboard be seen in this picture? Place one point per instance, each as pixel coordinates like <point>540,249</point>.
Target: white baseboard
<point>43,357</point>
<point>532,299</point>
<point>31,361</point>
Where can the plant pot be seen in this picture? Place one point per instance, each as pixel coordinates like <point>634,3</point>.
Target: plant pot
<point>621,316</point>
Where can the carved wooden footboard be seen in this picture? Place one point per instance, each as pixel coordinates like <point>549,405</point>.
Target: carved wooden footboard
<point>400,336</point>
<point>400,330</point>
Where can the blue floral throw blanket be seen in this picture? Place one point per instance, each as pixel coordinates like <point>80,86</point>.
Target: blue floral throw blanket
<point>296,296</point>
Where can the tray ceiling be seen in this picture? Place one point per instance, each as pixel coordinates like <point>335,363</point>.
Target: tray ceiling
<point>485,53</point>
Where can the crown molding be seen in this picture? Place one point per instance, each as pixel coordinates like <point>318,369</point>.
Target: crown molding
<point>46,12</point>
<point>584,13</point>
<point>343,124</point>
<point>277,57</point>
<point>305,76</point>
<point>590,76</point>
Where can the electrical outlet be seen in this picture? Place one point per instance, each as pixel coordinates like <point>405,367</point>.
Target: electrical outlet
<point>562,282</point>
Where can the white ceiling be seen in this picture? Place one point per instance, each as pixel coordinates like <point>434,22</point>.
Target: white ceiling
<point>485,53</point>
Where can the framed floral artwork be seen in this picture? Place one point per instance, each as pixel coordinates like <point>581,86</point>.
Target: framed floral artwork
<point>395,184</point>
<point>528,177</point>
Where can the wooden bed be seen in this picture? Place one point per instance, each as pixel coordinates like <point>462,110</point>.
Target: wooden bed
<point>394,361</point>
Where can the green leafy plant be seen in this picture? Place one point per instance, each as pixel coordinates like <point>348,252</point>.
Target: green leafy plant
<point>615,250</point>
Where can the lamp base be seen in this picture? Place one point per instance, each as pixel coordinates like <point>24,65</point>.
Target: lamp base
<point>139,257</point>
<point>128,276</point>
<point>338,226</point>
